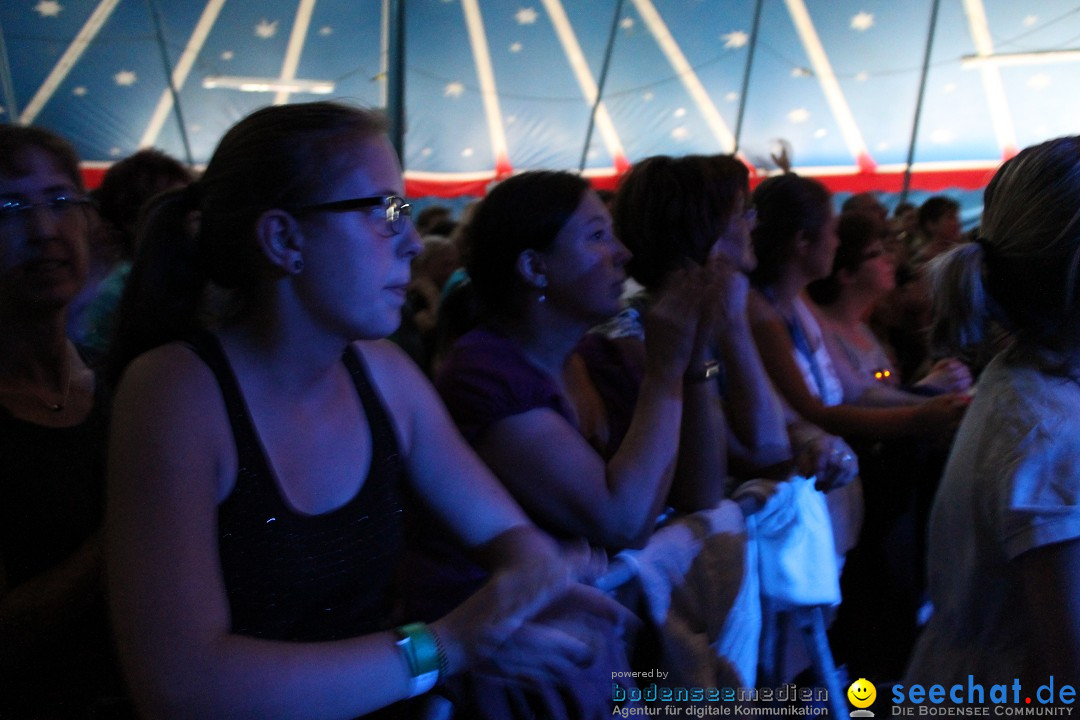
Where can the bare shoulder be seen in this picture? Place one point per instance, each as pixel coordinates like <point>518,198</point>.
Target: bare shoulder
<point>169,404</point>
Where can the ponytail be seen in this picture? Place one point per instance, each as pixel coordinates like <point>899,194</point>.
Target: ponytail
<point>162,300</point>
<point>960,302</point>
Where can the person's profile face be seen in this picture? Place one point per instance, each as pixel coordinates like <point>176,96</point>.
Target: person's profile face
<point>44,233</point>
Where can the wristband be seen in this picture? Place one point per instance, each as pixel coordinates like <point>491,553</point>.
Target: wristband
<point>710,370</point>
<point>423,654</point>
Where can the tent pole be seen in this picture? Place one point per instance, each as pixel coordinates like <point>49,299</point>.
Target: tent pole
<point>919,102</point>
<point>395,75</point>
<point>160,35</point>
<point>6,84</point>
<point>746,74</point>
<point>600,86</point>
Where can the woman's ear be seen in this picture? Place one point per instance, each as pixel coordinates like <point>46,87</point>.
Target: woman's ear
<point>280,240</point>
<point>802,243</point>
<point>532,268</point>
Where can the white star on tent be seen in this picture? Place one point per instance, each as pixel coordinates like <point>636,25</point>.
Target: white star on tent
<point>883,145</point>
<point>326,30</point>
<point>862,21</point>
<point>735,39</point>
<point>427,151</point>
<point>820,133</point>
<point>1031,20</point>
<point>515,47</point>
<point>266,29</point>
<point>627,23</point>
<point>78,91</point>
<point>511,119</point>
<point>941,136</point>
<point>732,96</point>
<point>525,16</point>
<point>467,152</point>
<point>949,88</point>
<point>647,97</point>
<point>114,151</point>
<point>228,55</point>
<point>1038,82</point>
<point>799,115</point>
<point>48,8</point>
<point>195,127</point>
<point>680,112</point>
<point>454,89</point>
<point>798,72</point>
<point>680,133</point>
<point>2,110</point>
<point>125,78</point>
<point>862,77</point>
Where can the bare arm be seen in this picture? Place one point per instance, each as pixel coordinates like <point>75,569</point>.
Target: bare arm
<point>171,455</point>
<point>564,484</point>
<point>940,414</point>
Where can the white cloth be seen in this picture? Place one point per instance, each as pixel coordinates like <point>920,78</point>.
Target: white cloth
<point>699,580</point>
<point>1012,483</point>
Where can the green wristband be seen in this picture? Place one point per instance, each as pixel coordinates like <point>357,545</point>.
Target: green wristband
<point>422,653</point>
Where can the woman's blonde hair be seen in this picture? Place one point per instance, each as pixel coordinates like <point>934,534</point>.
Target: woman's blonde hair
<point>1022,271</point>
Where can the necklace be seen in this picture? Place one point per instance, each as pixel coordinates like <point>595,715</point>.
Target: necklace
<point>55,407</point>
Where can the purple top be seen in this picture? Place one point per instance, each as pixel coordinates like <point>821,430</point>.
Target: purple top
<point>486,378</point>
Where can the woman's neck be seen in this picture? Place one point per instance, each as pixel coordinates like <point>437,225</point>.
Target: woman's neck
<point>34,349</point>
<point>849,310</point>
<point>546,338</point>
<point>786,289</point>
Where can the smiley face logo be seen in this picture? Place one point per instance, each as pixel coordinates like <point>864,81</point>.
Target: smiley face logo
<point>862,693</point>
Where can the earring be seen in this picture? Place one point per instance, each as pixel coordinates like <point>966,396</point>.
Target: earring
<point>542,285</point>
<point>298,265</point>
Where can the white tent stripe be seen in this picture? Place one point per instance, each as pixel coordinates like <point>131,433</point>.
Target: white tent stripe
<point>482,57</point>
<point>991,77</point>
<point>67,61</point>
<point>690,80</point>
<point>181,71</point>
<point>838,104</point>
<point>574,55</point>
<point>296,46</point>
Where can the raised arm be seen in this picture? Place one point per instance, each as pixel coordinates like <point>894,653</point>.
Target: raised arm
<point>565,485</point>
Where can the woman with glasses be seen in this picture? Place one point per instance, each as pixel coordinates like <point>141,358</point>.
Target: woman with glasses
<point>1004,547</point>
<point>54,648</point>
<point>261,459</point>
<point>863,273</point>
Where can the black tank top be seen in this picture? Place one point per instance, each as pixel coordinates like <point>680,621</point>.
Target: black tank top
<point>297,577</point>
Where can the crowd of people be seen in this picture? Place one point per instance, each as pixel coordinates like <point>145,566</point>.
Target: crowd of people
<point>270,446</point>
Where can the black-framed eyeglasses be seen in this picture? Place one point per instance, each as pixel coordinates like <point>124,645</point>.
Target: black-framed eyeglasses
<point>59,207</point>
<point>396,210</point>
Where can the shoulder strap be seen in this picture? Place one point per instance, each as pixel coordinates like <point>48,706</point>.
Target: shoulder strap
<point>208,347</point>
<point>384,440</point>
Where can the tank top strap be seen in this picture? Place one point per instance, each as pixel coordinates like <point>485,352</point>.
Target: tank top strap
<point>384,445</point>
<point>207,346</point>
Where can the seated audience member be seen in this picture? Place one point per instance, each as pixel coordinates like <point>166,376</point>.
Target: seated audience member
<point>588,447</point>
<point>258,466</point>
<point>432,217</point>
<point>671,211</point>
<point>124,189</point>
<point>865,203</point>
<point>883,578</point>
<point>1004,548</point>
<point>55,656</point>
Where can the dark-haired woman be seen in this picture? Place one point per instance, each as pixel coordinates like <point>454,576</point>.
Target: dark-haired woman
<point>259,465</point>
<point>589,448</point>
<point>55,658</point>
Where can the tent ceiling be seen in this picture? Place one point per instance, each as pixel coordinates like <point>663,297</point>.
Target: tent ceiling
<point>493,86</point>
